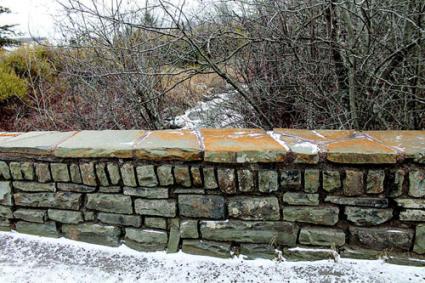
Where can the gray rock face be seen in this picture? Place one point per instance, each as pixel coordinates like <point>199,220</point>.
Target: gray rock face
<point>417,183</point>
<point>93,233</point>
<point>189,229</point>
<point>412,215</point>
<point>47,229</point>
<point>353,183</point>
<point>15,171</point>
<point>306,254</point>
<point>322,215</point>
<point>6,212</point>
<point>290,178</point>
<point>382,237</point>
<point>60,172</point>
<point>246,180</point>
<point>146,176</point>
<point>62,200</point>
<point>201,206</point>
<point>254,251</point>
<point>120,219</point>
<point>30,215</point>
<point>4,225</point>
<point>155,193</point>
<point>27,169</point>
<point>301,199</point>
<point>101,174</point>
<point>261,232</point>
<point>114,173</point>
<point>227,180</point>
<point>206,248</point>
<point>156,222</point>
<point>311,180</point>
<point>419,246</point>
<point>375,181</point>
<point>146,240</point>
<point>4,170</point>
<point>5,193</point>
<point>110,203</point>
<point>110,189</point>
<point>77,188</point>
<point>153,207</point>
<point>368,216</point>
<point>74,172</point>
<point>174,237</point>
<point>34,186</point>
<point>89,215</point>
<point>165,175</point>
<point>267,181</point>
<point>42,172</point>
<point>196,177</point>
<point>411,203</point>
<point>210,181</point>
<point>253,208</point>
<point>65,216</point>
<point>358,201</point>
<point>331,180</point>
<point>318,236</point>
<point>128,175</point>
<point>88,174</point>
<point>182,176</point>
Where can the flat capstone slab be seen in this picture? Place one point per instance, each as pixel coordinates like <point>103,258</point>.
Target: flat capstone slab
<point>169,145</point>
<point>107,143</point>
<point>34,143</point>
<point>241,146</point>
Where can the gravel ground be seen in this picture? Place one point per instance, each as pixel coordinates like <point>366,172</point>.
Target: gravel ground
<point>26,258</point>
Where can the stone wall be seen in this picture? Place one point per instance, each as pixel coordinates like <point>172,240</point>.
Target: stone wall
<point>294,194</point>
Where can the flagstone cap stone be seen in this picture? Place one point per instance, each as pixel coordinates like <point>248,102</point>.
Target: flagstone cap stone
<point>33,143</point>
<point>169,145</point>
<point>241,146</point>
<point>224,145</point>
<point>106,143</point>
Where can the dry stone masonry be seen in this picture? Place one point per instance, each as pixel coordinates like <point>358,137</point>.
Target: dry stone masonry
<point>294,194</point>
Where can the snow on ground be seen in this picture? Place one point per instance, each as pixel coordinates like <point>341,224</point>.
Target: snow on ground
<point>26,258</point>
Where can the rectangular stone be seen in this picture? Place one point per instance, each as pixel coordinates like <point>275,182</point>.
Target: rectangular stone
<point>206,248</point>
<point>309,254</point>
<point>30,215</point>
<point>15,171</point>
<point>189,229</point>
<point>114,173</point>
<point>156,222</point>
<point>195,172</point>
<point>331,180</point>
<point>419,246</point>
<point>101,174</point>
<point>6,212</point>
<point>65,216</point>
<point>120,219</point>
<point>110,203</point>
<point>146,239</point>
<point>164,208</point>
<point>318,236</point>
<point>246,181</point>
<point>358,201</point>
<point>416,215</point>
<point>128,175</point>
<point>47,229</point>
<point>292,198</point>
<point>106,143</point>
<point>267,181</point>
<point>362,216</point>
<point>42,172</point>
<point>227,180</point>
<point>78,188</point>
<point>157,193</point>
<point>290,179</point>
<point>255,251</point>
<point>75,174</point>
<point>88,174</point>
<point>111,189</point>
<point>60,172</point>
<point>201,206</point>
<point>410,203</point>
<point>63,200</point>
<point>34,187</point>
<point>93,233</point>
<point>27,169</point>
<point>278,232</point>
<point>210,180</point>
<point>165,175</point>
<point>353,183</point>
<point>382,238</point>
<point>241,146</point>
<point>311,180</point>
<point>146,176</point>
<point>253,208</point>
<point>4,171</point>
<point>182,176</point>
<point>375,181</point>
<point>417,183</point>
<point>6,193</point>
<point>322,215</point>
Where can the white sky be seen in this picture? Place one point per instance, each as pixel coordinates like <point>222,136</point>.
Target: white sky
<point>36,17</point>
